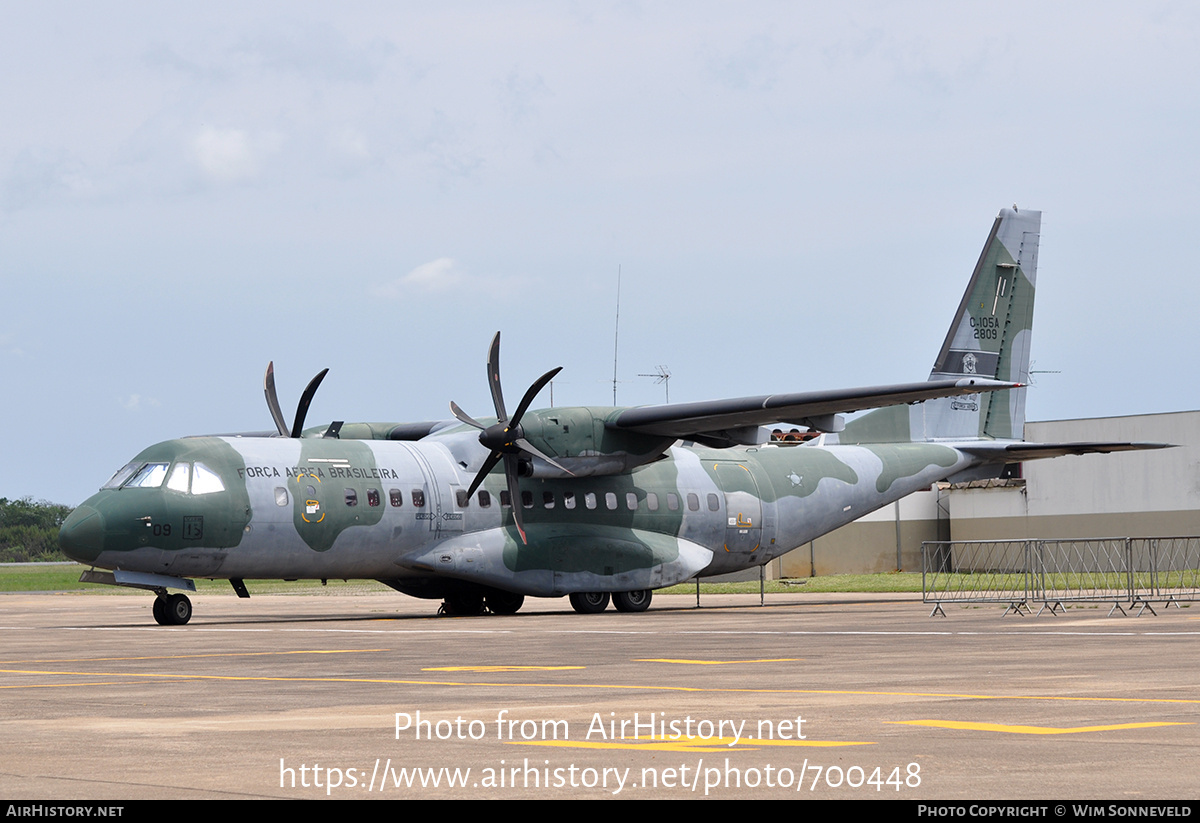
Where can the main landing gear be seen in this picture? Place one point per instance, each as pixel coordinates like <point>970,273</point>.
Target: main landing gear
<point>172,609</point>
<point>469,604</point>
<point>596,602</point>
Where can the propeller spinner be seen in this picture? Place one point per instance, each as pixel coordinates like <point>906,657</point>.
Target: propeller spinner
<point>301,407</point>
<point>505,439</point>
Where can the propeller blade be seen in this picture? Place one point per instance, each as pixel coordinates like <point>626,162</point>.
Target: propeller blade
<point>464,417</point>
<point>488,465</point>
<point>273,400</point>
<point>514,493</point>
<point>525,445</point>
<point>538,385</point>
<point>493,369</point>
<point>305,399</point>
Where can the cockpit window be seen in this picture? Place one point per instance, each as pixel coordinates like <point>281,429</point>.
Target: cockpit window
<point>150,476</point>
<point>122,475</point>
<point>178,481</point>
<point>205,480</point>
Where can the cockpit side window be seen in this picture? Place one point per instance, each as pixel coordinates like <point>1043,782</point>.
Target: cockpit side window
<point>205,480</point>
<point>149,476</point>
<point>122,475</point>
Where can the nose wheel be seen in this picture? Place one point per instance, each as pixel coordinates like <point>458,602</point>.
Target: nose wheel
<point>172,609</point>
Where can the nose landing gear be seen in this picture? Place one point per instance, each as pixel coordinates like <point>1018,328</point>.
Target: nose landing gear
<point>172,609</point>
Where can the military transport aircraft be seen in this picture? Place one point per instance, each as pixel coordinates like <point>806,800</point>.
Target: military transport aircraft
<point>589,502</point>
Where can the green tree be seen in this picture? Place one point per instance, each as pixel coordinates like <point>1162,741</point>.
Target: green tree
<point>29,530</point>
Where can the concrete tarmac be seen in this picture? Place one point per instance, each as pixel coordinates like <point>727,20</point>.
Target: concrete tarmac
<point>372,696</point>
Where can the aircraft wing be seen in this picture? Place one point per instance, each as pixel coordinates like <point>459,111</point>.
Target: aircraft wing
<point>814,409</point>
<point>1017,452</point>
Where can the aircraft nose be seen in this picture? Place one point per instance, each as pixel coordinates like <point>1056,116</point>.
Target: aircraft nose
<point>82,535</point>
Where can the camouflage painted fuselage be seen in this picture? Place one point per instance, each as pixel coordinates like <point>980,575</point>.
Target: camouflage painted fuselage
<point>396,511</point>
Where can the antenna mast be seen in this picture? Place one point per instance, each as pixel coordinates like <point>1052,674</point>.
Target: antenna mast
<point>663,375</point>
<point>616,333</point>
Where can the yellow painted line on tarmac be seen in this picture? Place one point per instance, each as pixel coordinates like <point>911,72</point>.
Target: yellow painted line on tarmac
<point>716,662</point>
<point>644,687</point>
<point>1000,727</point>
<point>501,668</point>
<point>188,656</point>
<point>61,685</point>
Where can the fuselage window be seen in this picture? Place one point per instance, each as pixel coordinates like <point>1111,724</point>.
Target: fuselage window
<point>418,498</point>
<point>673,501</point>
<point>713,503</point>
<point>178,481</point>
<point>589,500</point>
<point>281,496</point>
<point>485,500</point>
<point>631,501</point>
<point>610,500</point>
<point>396,498</point>
<point>150,476</point>
<point>693,502</point>
<point>547,500</point>
<point>461,496</point>
<point>122,475</point>
<point>527,499</point>
<point>652,501</point>
<point>312,492</point>
<point>372,497</point>
<point>205,480</point>
<point>505,500</point>
<point>569,499</point>
<point>351,497</point>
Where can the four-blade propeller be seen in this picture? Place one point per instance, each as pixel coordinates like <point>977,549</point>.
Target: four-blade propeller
<point>505,439</point>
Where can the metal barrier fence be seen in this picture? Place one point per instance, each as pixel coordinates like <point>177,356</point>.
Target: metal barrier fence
<point>1138,571</point>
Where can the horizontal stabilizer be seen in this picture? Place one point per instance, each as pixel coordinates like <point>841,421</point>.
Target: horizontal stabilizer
<point>1017,452</point>
<point>685,420</point>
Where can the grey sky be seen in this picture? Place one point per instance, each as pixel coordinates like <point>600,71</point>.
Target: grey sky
<point>795,194</point>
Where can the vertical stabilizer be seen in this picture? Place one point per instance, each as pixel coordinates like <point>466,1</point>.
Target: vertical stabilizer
<point>989,337</point>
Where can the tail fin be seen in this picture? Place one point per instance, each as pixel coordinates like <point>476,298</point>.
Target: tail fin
<point>989,338</point>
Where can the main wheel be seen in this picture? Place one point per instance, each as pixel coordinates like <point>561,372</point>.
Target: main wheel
<point>589,602</point>
<point>178,609</point>
<point>504,602</point>
<point>463,604</point>
<point>160,611</point>
<point>637,601</point>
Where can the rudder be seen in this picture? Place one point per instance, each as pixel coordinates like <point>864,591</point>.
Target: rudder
<point>989,337</point>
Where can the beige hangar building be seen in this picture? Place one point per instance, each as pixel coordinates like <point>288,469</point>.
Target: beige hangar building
<point>1133,494</point>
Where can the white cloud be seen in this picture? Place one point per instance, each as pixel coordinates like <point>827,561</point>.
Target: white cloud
<point>445,275</point>
<point>435,276</point>
<point>135,402</point>
<point>225,155</point>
